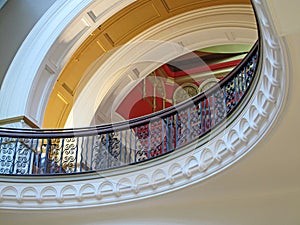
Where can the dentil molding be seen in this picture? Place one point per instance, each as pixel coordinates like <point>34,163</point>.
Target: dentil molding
<point>192,164</point>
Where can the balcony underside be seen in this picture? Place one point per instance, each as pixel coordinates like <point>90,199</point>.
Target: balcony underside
<point>196,160</point>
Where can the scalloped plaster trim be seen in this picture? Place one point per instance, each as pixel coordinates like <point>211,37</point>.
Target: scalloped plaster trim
<point>171,173</point>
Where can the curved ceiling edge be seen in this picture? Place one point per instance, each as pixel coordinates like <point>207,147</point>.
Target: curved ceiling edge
<point>116,31</point>
<point>33,59</point>
<point>154,47</point>
<point>254,121</point>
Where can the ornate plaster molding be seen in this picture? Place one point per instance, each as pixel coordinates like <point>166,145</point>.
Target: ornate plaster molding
<point>193,164</point>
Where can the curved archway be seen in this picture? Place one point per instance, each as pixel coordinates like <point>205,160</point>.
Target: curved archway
<point>153,48</point>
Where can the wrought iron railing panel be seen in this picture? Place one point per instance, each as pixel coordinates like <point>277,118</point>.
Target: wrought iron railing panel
<point>66,151</point>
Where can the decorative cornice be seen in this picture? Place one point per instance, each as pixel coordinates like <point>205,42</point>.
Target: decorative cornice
<point>192,164</point>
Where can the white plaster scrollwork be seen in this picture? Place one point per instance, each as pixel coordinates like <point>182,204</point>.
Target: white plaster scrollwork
<point>194,163</point>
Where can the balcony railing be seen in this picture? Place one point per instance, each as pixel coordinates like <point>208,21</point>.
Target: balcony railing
<point>60,151</point>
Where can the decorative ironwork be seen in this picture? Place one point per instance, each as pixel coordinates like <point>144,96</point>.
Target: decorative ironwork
<point>43,152</point>
<point>15,155</point>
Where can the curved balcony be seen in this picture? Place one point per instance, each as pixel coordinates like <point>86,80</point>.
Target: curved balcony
<point>94,149</point>
<point>45,178</point>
